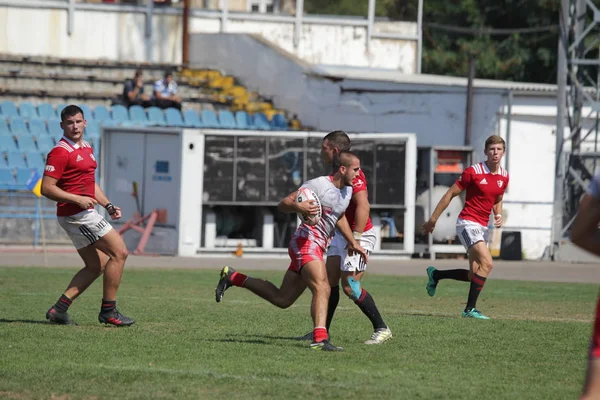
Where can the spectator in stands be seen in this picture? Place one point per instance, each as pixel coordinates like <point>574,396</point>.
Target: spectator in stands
<point>294,123</point>
<point>165,92</point>
<point>133,92</point>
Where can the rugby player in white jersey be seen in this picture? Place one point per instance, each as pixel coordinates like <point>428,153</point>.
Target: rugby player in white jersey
<point>306,248</point>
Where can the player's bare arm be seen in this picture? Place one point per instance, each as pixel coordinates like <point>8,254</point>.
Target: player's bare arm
<point>113,211</point>
<point>586,223</point>
<point>498,221</point>
<point>444,202</point>
<point>353,246</point>
<point>289,205</point>
<point>363,209</point>
<point>53,192</point>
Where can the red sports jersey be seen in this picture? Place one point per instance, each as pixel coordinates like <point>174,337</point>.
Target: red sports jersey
<point>482,188</point>
<point>358,185</point>
<point>73,167</point>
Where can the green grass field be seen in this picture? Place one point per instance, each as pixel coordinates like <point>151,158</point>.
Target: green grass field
<point>184,345</point>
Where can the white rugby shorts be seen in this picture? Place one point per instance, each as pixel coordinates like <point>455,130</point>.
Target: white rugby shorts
<point>470,232</point>
<point>354,262</point>
<point>85,228</point>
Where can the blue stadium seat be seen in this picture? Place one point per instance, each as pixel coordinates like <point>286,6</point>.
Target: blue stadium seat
<point>241,119</point>
<point>226,120</point>
<point>9,109</point>
<point>59,108</point>
<point>37,127</point>
<point>4,131</point>
<point>93,128</point>
<point>45,143</point>
<point>156,116</point>
<point>54,129</point>
<point>16,159</point>
<point>18,127</point>
<point>26,143</point>
<point>173,117</point>
<point>209,119</point>
<point>35,160</point>
<point>87,111</point>
<point>27,110</point>
<point>6,177</point>
<point>101,113</point>
<point>192,119</point>
<point>119,113</point>
<point>108,122</point>
<point>261,122</point>
<point>46,111</point>
<point>279,122</point>
<point>7,143</point>
<point>138,115</point>
<point>23,175</point>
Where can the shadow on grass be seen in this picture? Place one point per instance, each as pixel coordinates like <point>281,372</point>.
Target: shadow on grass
<point>23,321</point>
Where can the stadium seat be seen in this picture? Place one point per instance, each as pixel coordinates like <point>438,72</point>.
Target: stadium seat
<point>108,122</point>
<point>261,122</point>
<point>156,116</point>
<point>137,115</point>
<point>87,111</point>
<point>16,159</point>
<point>226,120</point>
<point>191,119</point>
<point>209,119</point>
<point>101,113</point>
<point>18,127</point>
<point>46,111</point>
<point>92,128</point>
<point>45,143</point>
<point>279,123</point>
<point>37,127</point>
<point>119,113</point>
<point>26,143</point>
<point>54,129</point>
<point>35,161</point>
<point>7,143</point>
<point>241,119</point>
<point>27,110</point>
<point>7,177</point>
<point>4,131</point>
<point>9,109</point>
<point>59,108</point>
<point>173,117</point>
<point>23,175</point>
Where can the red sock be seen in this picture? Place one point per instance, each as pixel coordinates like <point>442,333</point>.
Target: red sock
<point>320,334</point>
<point>238,279</point>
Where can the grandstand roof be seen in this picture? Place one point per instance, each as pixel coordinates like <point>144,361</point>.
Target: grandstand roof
<point>389,75</point>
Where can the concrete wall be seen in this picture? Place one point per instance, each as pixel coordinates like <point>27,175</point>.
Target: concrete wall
<point>122,36</point>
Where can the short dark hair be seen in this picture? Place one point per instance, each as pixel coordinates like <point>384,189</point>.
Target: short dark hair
<point>138,73</point>
<point>344,158</point>
<point>339,140</point>
<point>168,73</point>
<point>71,111</point>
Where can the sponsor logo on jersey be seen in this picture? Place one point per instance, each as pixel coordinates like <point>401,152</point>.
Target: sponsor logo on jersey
<point>500,183</point>
<point>79,158</point>
<point>483,182</point>
<point>49,168</point>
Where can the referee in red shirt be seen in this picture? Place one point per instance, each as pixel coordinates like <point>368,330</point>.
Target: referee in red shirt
<point>69,180</point>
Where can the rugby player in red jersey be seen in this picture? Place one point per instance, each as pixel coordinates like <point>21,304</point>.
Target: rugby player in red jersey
<point>70,181</point>
<point>485,184</point>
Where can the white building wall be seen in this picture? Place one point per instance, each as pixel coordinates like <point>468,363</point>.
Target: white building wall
<point>122,36</point>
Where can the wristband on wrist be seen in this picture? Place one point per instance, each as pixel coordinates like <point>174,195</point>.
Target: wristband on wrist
<point>357,235</point>
<point>110,208</point>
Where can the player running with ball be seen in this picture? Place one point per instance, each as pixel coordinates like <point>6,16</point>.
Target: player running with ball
<point>306,248</point>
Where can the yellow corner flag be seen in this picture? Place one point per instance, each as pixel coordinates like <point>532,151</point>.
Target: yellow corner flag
<point>35,183</point>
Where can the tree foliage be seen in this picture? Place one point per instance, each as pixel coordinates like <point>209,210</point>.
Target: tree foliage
<point>517,56</point>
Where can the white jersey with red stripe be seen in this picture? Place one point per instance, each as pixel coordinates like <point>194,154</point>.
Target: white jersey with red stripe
<point>334,202</point>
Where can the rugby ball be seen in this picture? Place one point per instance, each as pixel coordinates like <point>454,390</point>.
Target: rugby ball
<point>305,194</point>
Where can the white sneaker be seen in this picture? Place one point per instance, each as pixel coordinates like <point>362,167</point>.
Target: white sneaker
<point>380,336</point>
